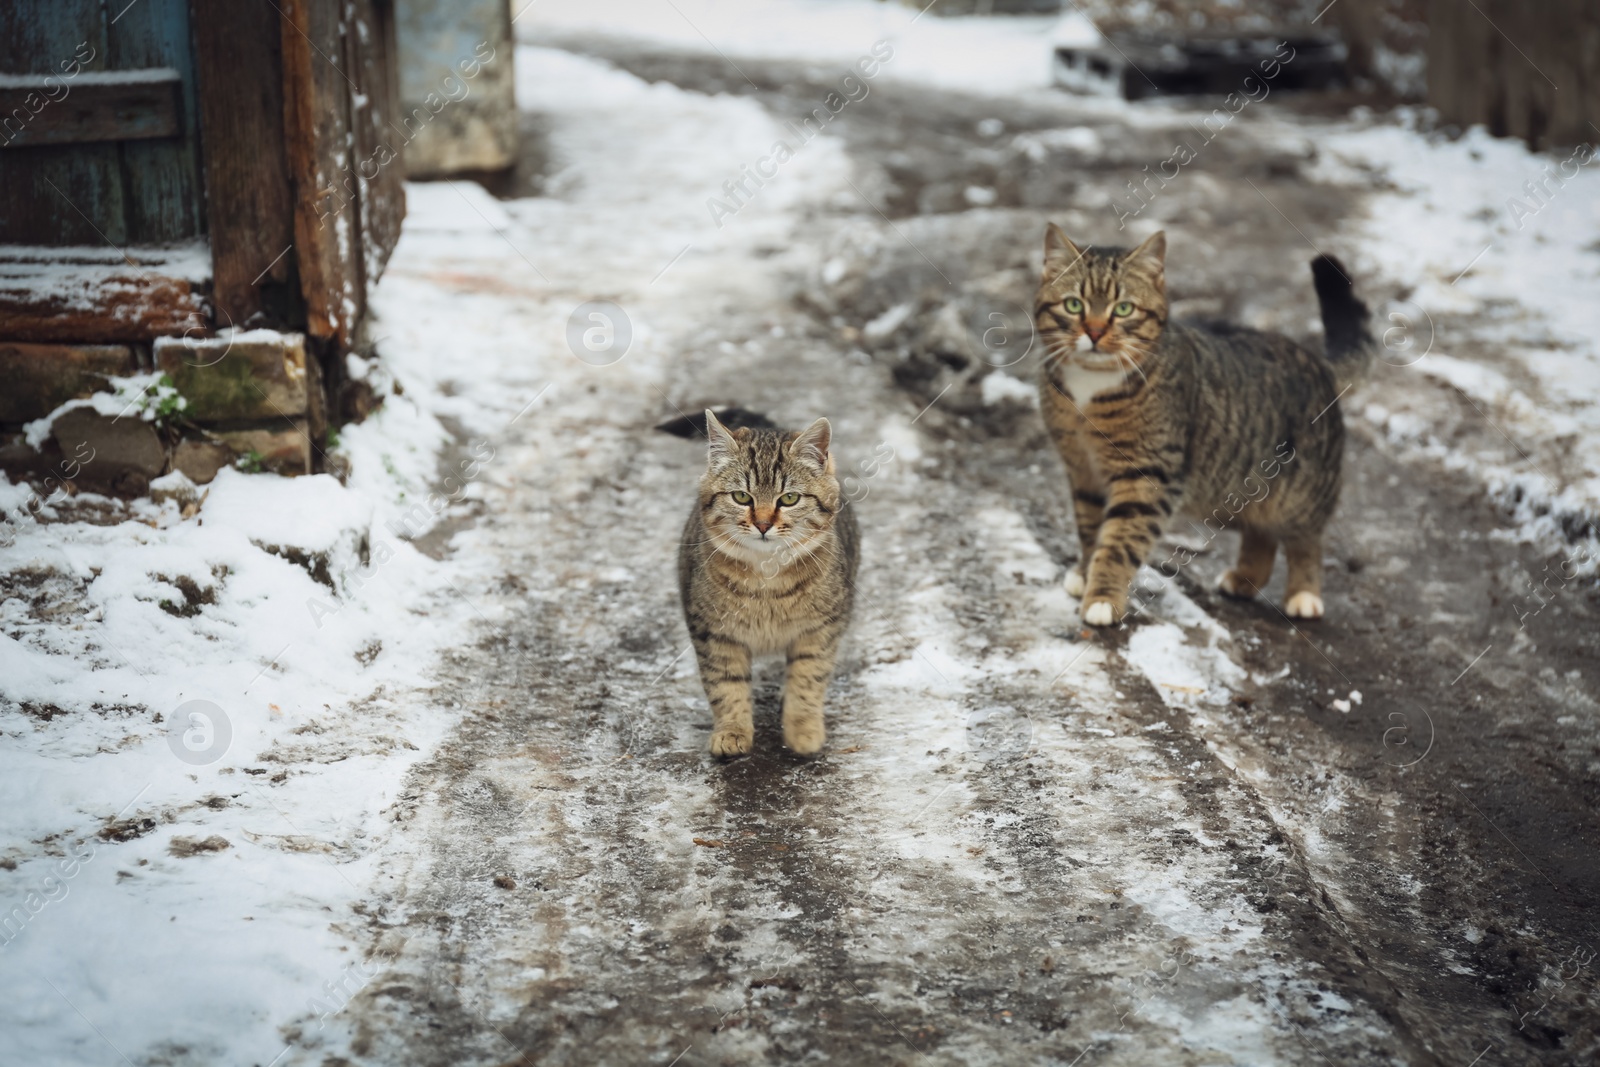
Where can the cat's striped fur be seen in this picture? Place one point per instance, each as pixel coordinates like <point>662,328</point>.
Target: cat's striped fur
<point>759,575</point>
<point>1226,425</point>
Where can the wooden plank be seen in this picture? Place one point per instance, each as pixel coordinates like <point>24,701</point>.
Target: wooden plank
<point>73,186</point>
<point>122,308</point>
<point>249,196</point>
<point>101,295</point>
<point>316,124</point>
<point>118,106</point>
<point>36,36</point>
<point>378,169</point>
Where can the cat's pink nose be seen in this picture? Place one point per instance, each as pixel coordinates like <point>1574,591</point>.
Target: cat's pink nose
<point>763,525</point>
<point>1096,332</point>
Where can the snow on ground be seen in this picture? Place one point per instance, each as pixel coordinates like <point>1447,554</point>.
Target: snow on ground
<point>204,719</point>
<point>981,55</point>
<point>1500,249</point>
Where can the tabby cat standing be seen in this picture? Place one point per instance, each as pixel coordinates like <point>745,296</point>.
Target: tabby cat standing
<point>768,564</point>
<point>1154,419</point>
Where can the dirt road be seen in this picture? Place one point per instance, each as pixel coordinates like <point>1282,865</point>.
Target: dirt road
<point>1185,841</point>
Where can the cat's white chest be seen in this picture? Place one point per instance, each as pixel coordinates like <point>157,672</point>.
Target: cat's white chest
<point>1084,384</point>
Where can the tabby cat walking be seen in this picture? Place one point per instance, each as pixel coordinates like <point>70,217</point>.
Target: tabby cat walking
<point>1231,427</point>
<point>767,564</point>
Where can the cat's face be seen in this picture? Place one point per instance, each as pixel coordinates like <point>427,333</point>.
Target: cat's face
<point>765,493</point>
<point>1101,308</point>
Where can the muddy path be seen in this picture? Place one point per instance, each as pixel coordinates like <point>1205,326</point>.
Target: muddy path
<point>1023,842</point>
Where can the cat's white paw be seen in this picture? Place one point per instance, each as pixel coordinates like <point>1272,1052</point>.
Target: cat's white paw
<point>1100,613</point>
<point>1074,583</point>
<point>1303,606</point>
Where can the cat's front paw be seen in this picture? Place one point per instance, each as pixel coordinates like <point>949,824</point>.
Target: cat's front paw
<point>1303,605</point>
<point>1099,613</point>
<point>1074,583</point>
<point>804,736</point>
<point>731,742</point>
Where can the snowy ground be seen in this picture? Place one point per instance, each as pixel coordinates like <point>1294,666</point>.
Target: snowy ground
<point>449,801</point>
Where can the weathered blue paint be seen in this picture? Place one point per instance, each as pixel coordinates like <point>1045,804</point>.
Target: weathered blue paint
<point>457,95</point>
<point>137,192</point>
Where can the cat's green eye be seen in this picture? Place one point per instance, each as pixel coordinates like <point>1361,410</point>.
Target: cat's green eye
<point>789,500</point>
<point>741,498</point>
<point>1073,305</point>
<point>1123,310</point>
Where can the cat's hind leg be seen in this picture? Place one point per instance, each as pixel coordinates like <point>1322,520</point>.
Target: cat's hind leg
<point>1252,572</point>
<point>1304,594</point>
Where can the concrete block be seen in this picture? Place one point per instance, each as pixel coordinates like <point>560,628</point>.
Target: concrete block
<point>258,374</point>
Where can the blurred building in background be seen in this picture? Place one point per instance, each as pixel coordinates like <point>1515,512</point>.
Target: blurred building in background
<point>456,65</point>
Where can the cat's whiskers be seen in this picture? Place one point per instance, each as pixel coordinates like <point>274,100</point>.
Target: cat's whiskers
<point>1123,357</point>
<point>1057,352</point>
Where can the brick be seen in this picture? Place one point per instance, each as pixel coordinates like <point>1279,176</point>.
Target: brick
<point>260,374</point>
<point>40,378</point>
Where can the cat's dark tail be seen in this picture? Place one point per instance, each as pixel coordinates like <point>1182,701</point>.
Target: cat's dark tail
<point>1346,322</point>
<point>731,417</point>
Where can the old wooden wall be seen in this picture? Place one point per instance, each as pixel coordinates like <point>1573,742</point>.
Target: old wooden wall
<point>1523,68</point>
<point>249,195</point>
<point>344,157</point>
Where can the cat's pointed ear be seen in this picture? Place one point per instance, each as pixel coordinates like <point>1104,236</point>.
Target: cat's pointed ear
<point>1059,251</point>
<point>1152,255</point>
<point>722,444</point>
<point>811,447</point>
